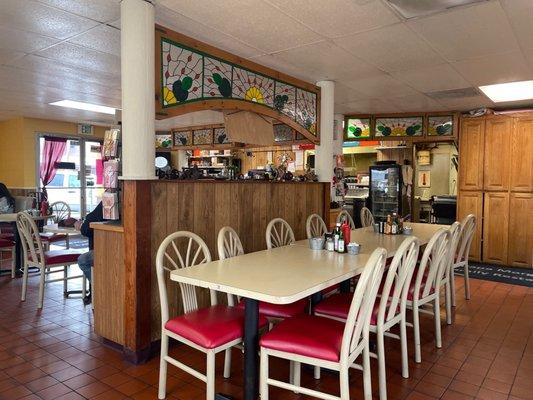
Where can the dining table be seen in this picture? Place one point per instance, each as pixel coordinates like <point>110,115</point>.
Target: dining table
<point>284,275</point>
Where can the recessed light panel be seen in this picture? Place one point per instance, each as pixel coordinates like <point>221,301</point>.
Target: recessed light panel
<point>512,91</point>
<point>416,8</point>
<point>84,106</point>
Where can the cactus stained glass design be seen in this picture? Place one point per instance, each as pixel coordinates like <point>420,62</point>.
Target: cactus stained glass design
<point>183,138</point>
<point>253,87</point>
<point>183,74</point>
<point>306,109</point>
<point>217,78</point>
<point>357,128</point>
<point>398,127</point>
<point>220,136</point>
<point>440,125</point>
<point>285,99</point>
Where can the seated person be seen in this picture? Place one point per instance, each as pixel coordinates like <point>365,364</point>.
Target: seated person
<point>7,202</point>
<point>86,260</point>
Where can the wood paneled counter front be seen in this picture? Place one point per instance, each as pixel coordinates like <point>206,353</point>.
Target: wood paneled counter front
<point>154,209</point>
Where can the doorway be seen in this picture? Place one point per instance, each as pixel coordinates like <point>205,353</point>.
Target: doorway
<point>79,175</point>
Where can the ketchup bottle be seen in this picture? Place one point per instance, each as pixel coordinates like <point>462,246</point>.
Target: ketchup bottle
<point>346,232</point>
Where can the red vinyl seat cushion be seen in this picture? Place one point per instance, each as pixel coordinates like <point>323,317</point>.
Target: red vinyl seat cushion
<point>307,335</point>
<point>61,256</point>
<point>280,310</point>
<point>52,237</point>
<point>211,327</point>
<point>6,243</point>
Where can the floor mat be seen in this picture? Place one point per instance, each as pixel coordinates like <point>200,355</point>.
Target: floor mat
<point>498,273</point>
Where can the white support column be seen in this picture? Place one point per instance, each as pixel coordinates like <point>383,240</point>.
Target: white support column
<point>138,93</point>
<point>324,161</point>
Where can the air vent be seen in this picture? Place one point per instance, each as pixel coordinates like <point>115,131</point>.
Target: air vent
<point>416,8</point>
<point>454,93</point>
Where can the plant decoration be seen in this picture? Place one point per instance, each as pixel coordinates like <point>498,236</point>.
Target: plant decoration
<point>180,88</point>
<point>280,101</point>
<point>224,86</point>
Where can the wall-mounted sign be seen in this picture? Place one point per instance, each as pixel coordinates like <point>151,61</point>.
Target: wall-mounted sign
<point>85,129</point>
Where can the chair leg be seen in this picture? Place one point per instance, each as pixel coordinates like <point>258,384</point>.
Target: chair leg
<point>367,381</point>
<point>210,374</point>
<point>227,363</point>
<point>296,376</point>
<point>436,311</point>
<point>467,282</point>
<point>41,287</point>
<point>67,242</point>
<point>448,301</point>
<point>291,372</point>
<point>416,328</point>
<point>452,286</point>
<point>24,282</point>
<point>83,286</point>
<point>344,378</point>
<point>316,373</point>
<point>263,376</point>
<point>382,374</point>
<point>163,368</point>
<point>65,280</point>
<point>403,344</point>
<point>13,262</point>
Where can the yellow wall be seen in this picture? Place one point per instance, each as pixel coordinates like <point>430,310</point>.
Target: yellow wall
<point>18,139</point>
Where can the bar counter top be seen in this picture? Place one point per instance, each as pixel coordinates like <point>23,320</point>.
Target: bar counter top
<point>231,181</point>
<point>115,226</point>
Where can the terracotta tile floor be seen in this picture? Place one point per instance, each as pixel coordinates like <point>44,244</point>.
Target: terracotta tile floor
<point>487,354</point>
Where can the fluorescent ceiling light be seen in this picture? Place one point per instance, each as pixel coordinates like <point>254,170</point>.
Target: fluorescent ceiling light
<point>512,91</point>
<point>84,106</point>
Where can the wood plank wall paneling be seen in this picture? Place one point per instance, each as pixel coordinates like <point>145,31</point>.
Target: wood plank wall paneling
<point>108,285</point>
<point>205,207</point>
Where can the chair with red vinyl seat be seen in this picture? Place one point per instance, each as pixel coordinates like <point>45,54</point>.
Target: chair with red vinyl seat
<point>61,211</point>
<point>210,329</point>
<point>389,311</point>
<point>327,343</point>
<point>8,246</point>
<point>48,262</point>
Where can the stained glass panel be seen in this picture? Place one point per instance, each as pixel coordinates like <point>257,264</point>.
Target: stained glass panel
<point>402,126</point>
<point>202,136</point>
<point>306,109</point>
<point>253,87</point>
<point>217,78</point>
<point>283,133</point>
<point>440,125</point>
<point>183,138</point>
<point>220,136</point>
<point>285,99</point>
<point>357,128</point>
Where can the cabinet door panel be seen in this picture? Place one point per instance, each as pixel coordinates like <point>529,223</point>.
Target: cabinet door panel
<point>497,153</point>
<point>521,155</point>
<point>495,227</point>
<point>521,230</point>
<point>472,203</point>
<point>471,144</point>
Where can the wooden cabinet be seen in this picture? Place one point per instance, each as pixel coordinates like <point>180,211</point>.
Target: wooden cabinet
<point>497,153</point>
<point>520,229</point>
<point>472,203</point>
<point>521,164</point>
<point>471,154</point>
<point>495,227</point>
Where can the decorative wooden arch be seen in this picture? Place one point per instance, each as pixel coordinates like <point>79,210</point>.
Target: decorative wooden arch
<point>198,81</point>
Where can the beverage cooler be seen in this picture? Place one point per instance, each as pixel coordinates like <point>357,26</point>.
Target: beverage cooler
<point>385,190</point>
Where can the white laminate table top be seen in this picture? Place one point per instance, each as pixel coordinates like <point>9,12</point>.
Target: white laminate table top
<point>290,273</point>
<point>12,217</point>
<point>55,228</point>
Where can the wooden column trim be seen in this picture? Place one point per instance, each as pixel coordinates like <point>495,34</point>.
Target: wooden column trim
<point>327,200</point>
<point>137,265</point>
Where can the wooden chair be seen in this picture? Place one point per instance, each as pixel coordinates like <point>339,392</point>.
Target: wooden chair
<point>426,284</point>
<point>389,311</point>
<point>61,211</point>
<point>210,330</point>
<point>48,262</point>
<point>279,233</point>
<point>8,246</point>
<point>367,219</point>
<point>345,216</point>
<point>448,279</point>
<point>468,228</point>
<point>315,226</point>
<point>326,343</point>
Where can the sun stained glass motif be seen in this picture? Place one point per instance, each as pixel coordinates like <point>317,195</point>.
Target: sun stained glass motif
<point>183,138</point>
<point>357,128</point>
<point>253,87</point>
<point>440,125</point>
<point>306,109</point>
<point>217,78</point>
<point>183,74</point>
<point>202,136</point>
<point>220,136</point>
<point>283,133</point>
<point>402,126</point>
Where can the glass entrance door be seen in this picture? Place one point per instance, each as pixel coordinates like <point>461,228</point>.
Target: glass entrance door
<point>78,179</point>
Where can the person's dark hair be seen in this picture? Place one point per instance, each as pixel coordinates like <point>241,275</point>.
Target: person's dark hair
<point>4,192</point>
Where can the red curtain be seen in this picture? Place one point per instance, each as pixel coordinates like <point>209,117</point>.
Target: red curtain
<point>52,153</point>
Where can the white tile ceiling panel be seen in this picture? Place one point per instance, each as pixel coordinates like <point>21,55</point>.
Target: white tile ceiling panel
<point>83,58</point>
<point>381,86</point>
<point>7,56</point>
<point>500,68</point>
<point>520,14</point>
<point>393,48</point>
<point>21,41</point>
<point>98,10</point>
<point>252,21</point>
<point>102,38</point>
<point>345,94</point>
<point>467,103</point>
<point>431,79</point>
<point>416,102</point>
<point>278,64</point>
<point>35,17</point>
<point>334,18</point>
<point>370,106</point>
<point>465,33</point>
<point>189,27</point>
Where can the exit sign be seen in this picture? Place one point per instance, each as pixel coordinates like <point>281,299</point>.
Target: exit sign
<point>85,129</point>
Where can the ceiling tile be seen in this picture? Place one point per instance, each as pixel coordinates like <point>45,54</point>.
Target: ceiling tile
<point>520,13</point>
<point>252,21</point>
<point>102,38</point>
<point>334,18</point>
<point>98,10</point>
<point>465,33</point>
<point>393,48</point>
<point>370,106</point>
<point>7,56</point>
<point>24,42</point>
<point>271,61</point>
<point>345,94</point>
<point>507,67</point>
<point>83,58</point>
<point>416,102</point>
<point>467,103</point>
<point>37,18</point>
<point>431,79</point>
<point>382,86</point>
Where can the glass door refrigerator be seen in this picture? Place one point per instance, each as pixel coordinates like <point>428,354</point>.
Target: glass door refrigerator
<point>385,190</point>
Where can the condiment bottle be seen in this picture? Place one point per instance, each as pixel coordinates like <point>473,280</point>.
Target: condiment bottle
<point>346,232</point>
<point>341,248</point>
<point>336,234</point>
